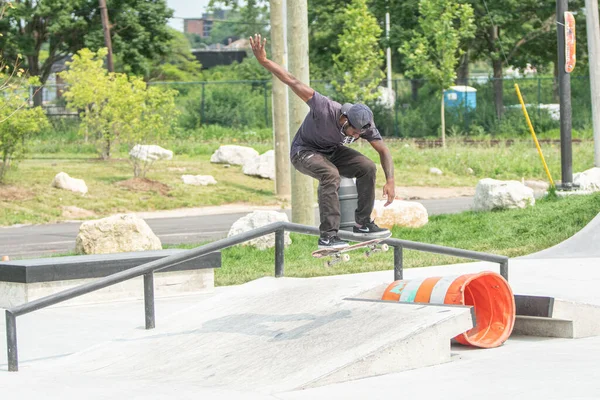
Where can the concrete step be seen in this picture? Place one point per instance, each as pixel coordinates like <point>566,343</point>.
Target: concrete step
<point>552,317</point>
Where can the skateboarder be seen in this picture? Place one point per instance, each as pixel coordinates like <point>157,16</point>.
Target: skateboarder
<point>320,150</point>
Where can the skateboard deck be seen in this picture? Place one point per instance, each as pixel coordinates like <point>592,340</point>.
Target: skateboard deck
<point>337,255</point>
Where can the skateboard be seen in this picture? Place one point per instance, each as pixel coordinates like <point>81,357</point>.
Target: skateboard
<point>339,254</point>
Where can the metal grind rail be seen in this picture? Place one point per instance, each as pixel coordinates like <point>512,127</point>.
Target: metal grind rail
<point>148,269</point>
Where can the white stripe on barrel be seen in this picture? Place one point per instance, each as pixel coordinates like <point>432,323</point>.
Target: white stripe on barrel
<point>438,294</point>
<point>410,290</point>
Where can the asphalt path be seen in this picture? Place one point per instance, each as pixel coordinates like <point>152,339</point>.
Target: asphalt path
<point>32,241</point>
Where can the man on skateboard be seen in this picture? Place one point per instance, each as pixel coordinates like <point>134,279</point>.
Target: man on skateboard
<point>320,150</point>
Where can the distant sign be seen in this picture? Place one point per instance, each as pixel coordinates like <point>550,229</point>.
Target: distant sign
<point>569,42</point>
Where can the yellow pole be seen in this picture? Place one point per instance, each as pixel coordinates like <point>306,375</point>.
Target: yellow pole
<point>533,135</point>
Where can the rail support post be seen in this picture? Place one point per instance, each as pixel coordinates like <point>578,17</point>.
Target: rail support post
<point>279,252</point>
<point>11,341</point>
<point>149,300</point>
<point>398,267</point>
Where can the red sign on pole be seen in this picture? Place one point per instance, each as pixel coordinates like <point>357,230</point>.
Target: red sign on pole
<point>569,42</point>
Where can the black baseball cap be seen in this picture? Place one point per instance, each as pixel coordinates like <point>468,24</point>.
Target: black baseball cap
<point>359,115</point>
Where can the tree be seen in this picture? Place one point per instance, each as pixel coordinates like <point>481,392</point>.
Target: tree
<point>139,32</point>
<point>115,106</point>
<point>246,17</point>
<point>434,50</point>
<point>179,64</point>
<point>524,29</point>
<point>17,120</point>
<point>357,66</point>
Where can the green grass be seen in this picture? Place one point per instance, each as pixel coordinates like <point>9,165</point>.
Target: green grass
<point>510,232</point>
<point>43,204</point>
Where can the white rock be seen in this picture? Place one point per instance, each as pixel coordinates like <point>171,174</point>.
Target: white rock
<point>470,171</point>
<point>400,213</point>
<point>540,188</point>
<point>198,180</point>
<point>263,165</point>
<point>115,234</point>
<point>232,154</point>
<point>150,152</point>
<point>435,171</point>
<point>588,180</point>
<point>255,220</point>
<point>495,194</point>
<point>537,185</point>
<point>62,180</point>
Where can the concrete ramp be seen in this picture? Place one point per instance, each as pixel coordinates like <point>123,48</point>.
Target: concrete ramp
<point>274,335</point>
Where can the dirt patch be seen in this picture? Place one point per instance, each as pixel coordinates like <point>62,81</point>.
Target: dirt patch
<point>15,193</point>
<point>423,193</point>
<point>73,212</point>
<point>145,185</point>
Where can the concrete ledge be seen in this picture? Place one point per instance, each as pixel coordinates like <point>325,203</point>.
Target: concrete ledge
<point>94,266</point>
<point>551,317</point>
<point>543,327</point>
<point>26,280</point>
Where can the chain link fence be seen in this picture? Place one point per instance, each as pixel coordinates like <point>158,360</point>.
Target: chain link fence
<point>413,110</point>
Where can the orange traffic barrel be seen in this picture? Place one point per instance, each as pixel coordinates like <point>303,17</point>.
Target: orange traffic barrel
<point>488,293</point>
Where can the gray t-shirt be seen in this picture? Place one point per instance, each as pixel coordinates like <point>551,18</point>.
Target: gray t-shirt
<point>321,129</point>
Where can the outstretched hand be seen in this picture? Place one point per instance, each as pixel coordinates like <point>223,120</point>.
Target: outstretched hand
<point>389,192</point>
<point>258,47</point>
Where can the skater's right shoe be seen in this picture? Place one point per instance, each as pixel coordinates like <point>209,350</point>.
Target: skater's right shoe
<point>332,242</point>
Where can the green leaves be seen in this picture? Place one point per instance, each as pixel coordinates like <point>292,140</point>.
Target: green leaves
<point>434,50</point>
<point>357,66</point>
<point>17,123</point>
<point>115,106</point>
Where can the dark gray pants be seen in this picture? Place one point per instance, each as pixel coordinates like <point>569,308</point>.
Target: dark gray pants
<point>327,169</point>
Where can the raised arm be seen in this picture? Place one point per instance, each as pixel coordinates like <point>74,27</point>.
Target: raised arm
<point>302,90</point>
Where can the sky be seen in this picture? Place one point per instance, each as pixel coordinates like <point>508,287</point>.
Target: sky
<point>186,9</point>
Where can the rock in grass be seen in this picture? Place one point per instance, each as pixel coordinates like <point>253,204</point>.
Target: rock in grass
<point>493,194</point>
<point>116,234</point>
<point>150,153</point>
<point>409,214</point>
<point>232,154</point>
<point>198,180</point>
<point>262,166</point>
<point>62,180</point>
<point>588,180</point>
<point>258,219</point>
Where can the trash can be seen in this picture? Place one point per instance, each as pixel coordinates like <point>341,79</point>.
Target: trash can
<point>348,196</point>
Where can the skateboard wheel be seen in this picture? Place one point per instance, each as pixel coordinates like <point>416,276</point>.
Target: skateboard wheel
<point>385,247</point>
<point>346,257</point>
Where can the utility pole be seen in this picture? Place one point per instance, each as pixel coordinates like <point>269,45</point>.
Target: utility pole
<point>281,137</point>
<point>107,41</point>
<point>297,38</point>
<point>593,40</point>
<point>388,51</point>
<point>564,86</point>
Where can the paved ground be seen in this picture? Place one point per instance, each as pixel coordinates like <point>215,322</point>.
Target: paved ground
<point>523,368</point>
<point>172,227</point>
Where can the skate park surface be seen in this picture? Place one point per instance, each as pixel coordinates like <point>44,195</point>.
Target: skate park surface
<point>312,338</point>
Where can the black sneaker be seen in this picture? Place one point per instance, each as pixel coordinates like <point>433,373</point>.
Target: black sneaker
<point>332,242</point>
<point>370,229</point>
